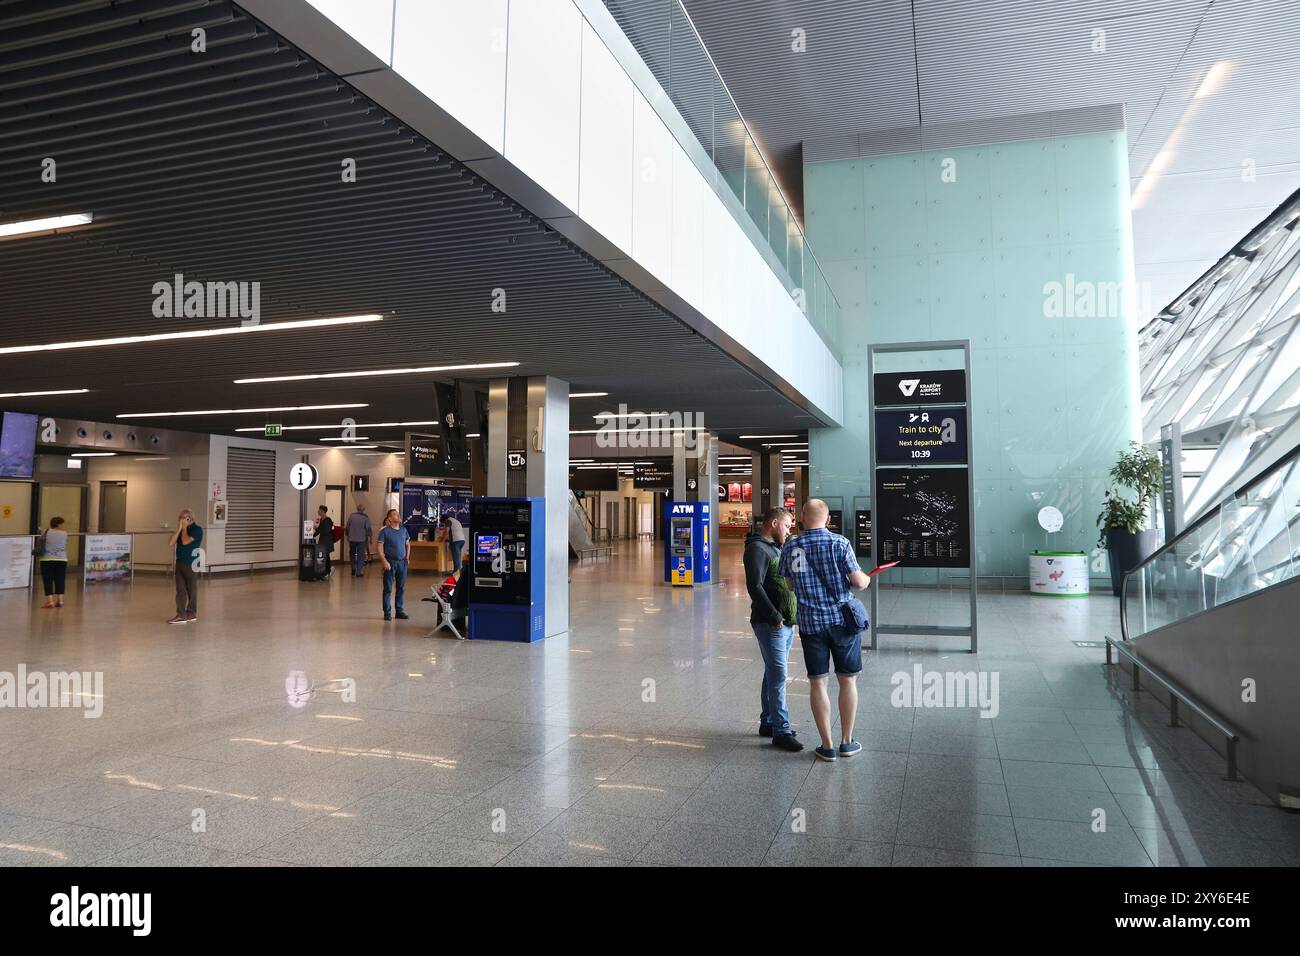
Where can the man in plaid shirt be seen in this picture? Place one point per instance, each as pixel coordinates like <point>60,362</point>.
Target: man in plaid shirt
<point>820,567</point>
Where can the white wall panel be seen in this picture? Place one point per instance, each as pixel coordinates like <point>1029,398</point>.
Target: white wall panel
<point>369,22</point>
<point>455,54</point>
<point>544,94</point>
<point>652,191</point>
<point>605,186</point>
<point>687,238</point>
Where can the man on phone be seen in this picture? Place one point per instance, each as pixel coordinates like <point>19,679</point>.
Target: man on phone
<point>187,541</point>
<point>820,567</point>
<point>772,617</point>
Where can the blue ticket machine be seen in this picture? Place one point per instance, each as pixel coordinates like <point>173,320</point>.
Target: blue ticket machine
<point>507,572</point>
<point>686,553</point>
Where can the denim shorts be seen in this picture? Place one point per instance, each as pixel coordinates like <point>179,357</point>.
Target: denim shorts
<point>838,644</point>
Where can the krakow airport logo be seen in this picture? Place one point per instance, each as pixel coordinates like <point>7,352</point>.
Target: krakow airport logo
<point>908,386</point>
<point>624,429</point>
<point>179,299</point>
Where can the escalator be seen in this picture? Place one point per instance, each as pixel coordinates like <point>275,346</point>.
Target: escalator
<point>1217,612</point>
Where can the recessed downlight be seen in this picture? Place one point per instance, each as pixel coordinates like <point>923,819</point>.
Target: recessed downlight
<point>246,411</point>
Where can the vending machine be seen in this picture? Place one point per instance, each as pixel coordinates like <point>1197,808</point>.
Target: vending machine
<point>686,552</point>
<point>507,574</point>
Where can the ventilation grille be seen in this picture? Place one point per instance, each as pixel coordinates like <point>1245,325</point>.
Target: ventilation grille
<point>250,490</point>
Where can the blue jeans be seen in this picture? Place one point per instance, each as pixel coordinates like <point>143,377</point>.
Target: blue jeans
<point>774,644</point>
<point>457,548</point>
<point>396,573</point>
<point>358,550</point>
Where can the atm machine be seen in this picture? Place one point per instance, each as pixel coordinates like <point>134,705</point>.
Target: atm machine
<point>507,572</point>
<point>686,551</point>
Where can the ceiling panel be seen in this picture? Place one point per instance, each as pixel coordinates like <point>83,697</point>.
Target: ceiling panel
<point>897,63</point>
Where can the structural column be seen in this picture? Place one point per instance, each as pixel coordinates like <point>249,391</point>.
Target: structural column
<point>768,483</point>
<point>528,456</point>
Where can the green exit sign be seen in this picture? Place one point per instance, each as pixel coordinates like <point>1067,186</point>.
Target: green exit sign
<point>273,431</point>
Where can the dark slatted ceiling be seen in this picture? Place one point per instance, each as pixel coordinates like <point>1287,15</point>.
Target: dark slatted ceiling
<point>225,166</point>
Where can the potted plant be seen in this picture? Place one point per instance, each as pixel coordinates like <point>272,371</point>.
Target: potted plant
<point>1123,519</point>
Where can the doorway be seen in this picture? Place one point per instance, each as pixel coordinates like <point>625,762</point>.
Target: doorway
<point>334,497</point>
<point>66,501</point>
<point>112,507</point>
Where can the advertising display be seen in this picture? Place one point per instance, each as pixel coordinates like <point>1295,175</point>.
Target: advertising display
<point>915,437</point>
<point>17,445</point>
<point>940,387</point>
<point>655,474</point>
<point>108,558</point>
<point>16,561</point>
<point>835,521</point>
<point>423,506</point>
<point>921,517</point>
<point>1058,573</point>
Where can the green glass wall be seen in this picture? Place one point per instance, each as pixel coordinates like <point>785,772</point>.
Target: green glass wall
<point>1025,249</point>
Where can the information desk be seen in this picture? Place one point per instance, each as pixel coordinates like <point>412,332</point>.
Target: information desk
<point>430,556</point>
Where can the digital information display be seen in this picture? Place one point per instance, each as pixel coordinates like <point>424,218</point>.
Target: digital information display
<point>653,474</point>
<point>940,387</point>
<point>862,533</point>
<point>921,436</point>
<point>437,456</point>
<point>922,517</point>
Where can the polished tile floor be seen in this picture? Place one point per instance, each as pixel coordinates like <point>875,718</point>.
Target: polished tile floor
<point>236,740</point>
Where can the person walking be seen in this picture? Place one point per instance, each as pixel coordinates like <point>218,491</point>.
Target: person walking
<point>394,546</point>
<point>52,546</point>
<point>325,538</point>
<point>359,534</point>
<point>772,617</point>
<point>820,567</point>
<point>456,538</point>
<point>187,541</point>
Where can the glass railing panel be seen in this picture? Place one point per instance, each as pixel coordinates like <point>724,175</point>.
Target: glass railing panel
<point>1251,541</point>
<point>668,43</point>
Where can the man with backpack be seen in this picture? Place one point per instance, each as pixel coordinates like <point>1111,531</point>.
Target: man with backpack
<point>821,567</point>
<point>772,617</point>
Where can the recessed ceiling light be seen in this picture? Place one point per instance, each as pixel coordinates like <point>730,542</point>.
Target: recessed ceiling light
<point>769,436</point>
<point>28,226</point>
<point>347,439</point>
<point>94,454</point>
<point>588,394</point>
<point>627,431</point>
<point>246,411</point>
<point>149,459</point>
<point>191,334</point>
<point>473,435</point>
<point>424,370</point>
<point>56,391</point>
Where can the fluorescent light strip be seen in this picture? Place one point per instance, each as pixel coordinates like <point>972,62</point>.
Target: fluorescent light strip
<point>629,431</point>
<point>588,394</point>
<point>294,428</point>
<point>769,436</point>
<point>344,438</point>
<point>191,334</point>
<point>424,370</point>
<point>94,454</point>
<point>56,391</point>
<point>247,411</point>
<point>45,225</point>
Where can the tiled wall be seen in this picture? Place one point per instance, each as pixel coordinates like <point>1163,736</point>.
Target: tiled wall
<point>914,256</point>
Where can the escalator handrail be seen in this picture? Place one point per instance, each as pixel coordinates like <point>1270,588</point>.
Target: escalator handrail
<point>1282,462</point>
